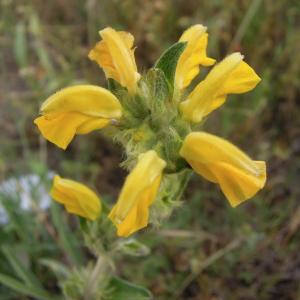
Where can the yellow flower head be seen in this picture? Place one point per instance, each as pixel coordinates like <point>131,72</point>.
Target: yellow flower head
<point>220,162</point>
<point>115,54</point>
<point>230,76</point>
<point>131,212</point>
<point>155,115</point>
<point>193,56</point>
<point>76,197</point>
<point>76,110</point>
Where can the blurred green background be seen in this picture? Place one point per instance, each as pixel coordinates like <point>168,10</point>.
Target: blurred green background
<point>206,250</point>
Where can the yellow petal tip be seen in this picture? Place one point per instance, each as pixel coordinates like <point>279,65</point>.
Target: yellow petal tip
<point>76,197</point>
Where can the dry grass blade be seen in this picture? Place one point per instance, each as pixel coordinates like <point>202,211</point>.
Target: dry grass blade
<point>206,263</point>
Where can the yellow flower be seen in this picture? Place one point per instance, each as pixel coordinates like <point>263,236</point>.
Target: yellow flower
<point>115,54</point>
<point>76,110</point>
<point>76,197</point>
<point>230,76</point>
<point>223,163</point>
<point>193,55</point>
<point>131,211</point>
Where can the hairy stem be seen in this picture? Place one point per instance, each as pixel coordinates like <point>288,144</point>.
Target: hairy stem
<point>93,279</point>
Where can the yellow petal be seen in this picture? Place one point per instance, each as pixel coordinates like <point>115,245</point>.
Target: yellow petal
<point>221,162</point>
<point>86,99</point>
<point>59,129</point>
<point>115,54</point>
<point>230,76</point>
<point>203,169</point>
<point>91,125</point>
<point>138,193</point>
<point>76,197</point>
<point>76,110</point>
<point>138,215</point>
<point>237,185</point>
<point>193,55</point>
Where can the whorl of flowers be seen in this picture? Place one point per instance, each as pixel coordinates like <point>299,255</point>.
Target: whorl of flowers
<point>156,120</point>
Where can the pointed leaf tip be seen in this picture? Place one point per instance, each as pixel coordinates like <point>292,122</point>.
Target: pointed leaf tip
<point>169,59</point>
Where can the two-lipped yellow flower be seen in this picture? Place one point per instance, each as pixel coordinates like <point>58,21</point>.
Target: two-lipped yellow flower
<point>220,162</point>
<point>131,212</point>
<point>75,110</point>
<point>76,197</point>
<point>115,54</point>
<point>82,109</point>
<point>193,57</point>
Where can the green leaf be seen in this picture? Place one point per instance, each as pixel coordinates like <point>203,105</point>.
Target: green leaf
<point>42,52</point>
<point>133,247</point>
<point>158,85</point>
<point>113,85</point>
<point>168,61</point>
<point>21,45</point>
<point>24,289</point>
<point>66,237</point>
<point>28,277</point>
<point>121,289</point>
<point>60,270</point>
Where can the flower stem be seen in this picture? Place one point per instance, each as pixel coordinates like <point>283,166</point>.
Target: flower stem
<point>185,177</point>
<point>89,291</point>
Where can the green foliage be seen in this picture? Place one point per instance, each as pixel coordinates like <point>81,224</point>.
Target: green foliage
<point>121,289</point>
<point>132,247</point>
<point>60,270</point>
<point>151,120</point>
<point>24,289</point>
<point>28,284</point>
<point>113,85</point>
<point>157,87</point>
<point>21,46</point>
<point>168,61</point>
<point>26,275</point>
<point>66,238</point>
